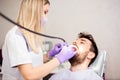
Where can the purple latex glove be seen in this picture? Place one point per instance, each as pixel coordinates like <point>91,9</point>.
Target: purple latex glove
<point>65,54</point>
<point>57,48</point>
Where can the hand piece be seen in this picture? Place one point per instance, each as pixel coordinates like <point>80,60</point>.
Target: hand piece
<point>65,54</point>
<point>57,48</point>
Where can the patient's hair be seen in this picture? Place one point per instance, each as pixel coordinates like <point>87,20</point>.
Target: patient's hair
<point>93,48</point>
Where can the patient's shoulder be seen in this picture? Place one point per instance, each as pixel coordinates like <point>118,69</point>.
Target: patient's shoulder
<point>93,75</point>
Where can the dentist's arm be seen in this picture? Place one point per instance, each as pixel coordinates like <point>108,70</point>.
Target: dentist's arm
<point>34,73</point>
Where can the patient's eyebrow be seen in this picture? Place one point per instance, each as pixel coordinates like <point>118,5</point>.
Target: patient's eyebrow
<point>83,40</point>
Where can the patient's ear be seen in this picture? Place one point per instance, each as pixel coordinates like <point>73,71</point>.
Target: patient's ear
<point>91,55</point>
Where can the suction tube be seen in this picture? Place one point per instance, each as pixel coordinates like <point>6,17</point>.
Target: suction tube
<point>44,35</point>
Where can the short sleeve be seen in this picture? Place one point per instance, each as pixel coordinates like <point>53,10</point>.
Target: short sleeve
<point>17,50</point>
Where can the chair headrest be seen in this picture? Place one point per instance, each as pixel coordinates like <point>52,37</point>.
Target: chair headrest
<point>99,64</point>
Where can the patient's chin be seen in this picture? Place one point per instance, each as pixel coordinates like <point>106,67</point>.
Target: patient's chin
<point>77,59</point>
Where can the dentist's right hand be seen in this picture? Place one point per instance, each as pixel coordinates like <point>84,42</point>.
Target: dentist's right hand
<point>65,54</point>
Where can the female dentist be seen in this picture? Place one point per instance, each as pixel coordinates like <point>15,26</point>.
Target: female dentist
<point>22,54</point>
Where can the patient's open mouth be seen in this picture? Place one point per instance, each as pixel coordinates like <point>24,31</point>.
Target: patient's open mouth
<point>75,47</point>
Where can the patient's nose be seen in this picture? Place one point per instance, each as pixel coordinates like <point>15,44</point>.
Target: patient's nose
<point>75,42</point>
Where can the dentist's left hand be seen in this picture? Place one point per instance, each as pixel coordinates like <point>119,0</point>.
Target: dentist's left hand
<point>57,48</point>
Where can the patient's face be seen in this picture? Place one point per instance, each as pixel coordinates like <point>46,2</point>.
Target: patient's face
<point>83,47</point>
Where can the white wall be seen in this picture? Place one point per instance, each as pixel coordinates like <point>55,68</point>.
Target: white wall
<point>10,9</point>
<point>69,17</point>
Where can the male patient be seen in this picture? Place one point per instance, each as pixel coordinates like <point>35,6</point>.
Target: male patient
<point>87,52</point>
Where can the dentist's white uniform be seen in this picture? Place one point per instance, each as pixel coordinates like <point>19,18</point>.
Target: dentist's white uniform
<point>16,51</point>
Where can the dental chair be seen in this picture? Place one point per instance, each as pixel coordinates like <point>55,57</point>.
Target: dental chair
<point>99,65</point>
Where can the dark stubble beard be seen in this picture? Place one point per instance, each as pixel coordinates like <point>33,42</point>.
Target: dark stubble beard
<point>78,59</point>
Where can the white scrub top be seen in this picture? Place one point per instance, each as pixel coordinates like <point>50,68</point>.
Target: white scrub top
<point>16,51</point>
<point>66,74</point>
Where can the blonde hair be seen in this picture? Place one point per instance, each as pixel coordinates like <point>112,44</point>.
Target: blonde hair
<point>30,17</point>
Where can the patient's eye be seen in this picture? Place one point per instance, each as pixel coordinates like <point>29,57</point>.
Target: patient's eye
<point>82,42</point>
